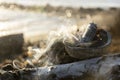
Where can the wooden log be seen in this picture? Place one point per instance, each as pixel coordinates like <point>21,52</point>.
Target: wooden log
<point>102,68</point>
<point>10,45</point>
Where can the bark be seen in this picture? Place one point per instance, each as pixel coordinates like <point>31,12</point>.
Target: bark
<point>102,68</point>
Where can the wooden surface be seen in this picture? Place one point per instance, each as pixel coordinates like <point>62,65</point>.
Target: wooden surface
<point>102,68</point>
<point>10,45</point>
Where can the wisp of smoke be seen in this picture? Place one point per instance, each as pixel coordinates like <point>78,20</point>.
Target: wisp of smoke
<point>54,51</point>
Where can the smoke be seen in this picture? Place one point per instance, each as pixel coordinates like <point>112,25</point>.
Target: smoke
<point>57,40</point>
<point>65,34</point>
<point>55,53</point>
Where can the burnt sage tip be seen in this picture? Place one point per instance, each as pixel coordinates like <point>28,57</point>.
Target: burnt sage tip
<point>91,44</point>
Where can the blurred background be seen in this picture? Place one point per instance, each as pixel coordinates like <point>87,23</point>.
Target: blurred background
<point>36,18</point>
